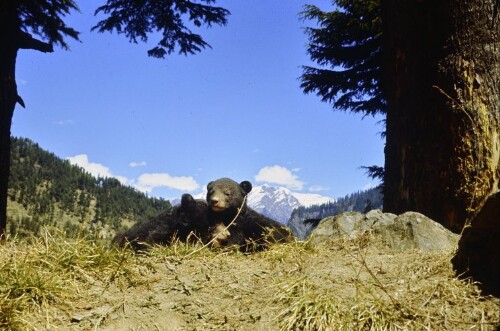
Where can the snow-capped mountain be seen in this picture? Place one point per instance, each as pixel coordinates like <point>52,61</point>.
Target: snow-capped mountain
<point>279,202</point>
<point>274,202</point>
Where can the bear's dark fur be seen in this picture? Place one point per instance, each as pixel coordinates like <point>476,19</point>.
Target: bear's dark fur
<point>184,222</point>
<point>251,230</point>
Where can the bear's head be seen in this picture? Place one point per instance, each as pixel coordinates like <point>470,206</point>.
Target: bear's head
<point>225,196</point>
<point>191,212</point>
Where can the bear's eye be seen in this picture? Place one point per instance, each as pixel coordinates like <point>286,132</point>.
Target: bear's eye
<point>227,192</point>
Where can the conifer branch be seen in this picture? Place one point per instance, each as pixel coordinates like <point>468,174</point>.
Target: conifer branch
<point>26,41</point>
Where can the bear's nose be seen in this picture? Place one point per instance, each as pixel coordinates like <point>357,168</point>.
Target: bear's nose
<point>214,201</point>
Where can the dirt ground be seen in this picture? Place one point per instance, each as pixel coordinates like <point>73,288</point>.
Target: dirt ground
<point>337,286</point>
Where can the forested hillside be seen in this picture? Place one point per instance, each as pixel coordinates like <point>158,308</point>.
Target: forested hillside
<point>363,201</point>
<point>47,191</point>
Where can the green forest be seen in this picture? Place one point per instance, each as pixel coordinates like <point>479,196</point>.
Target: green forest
<point>45,191</point>
<point>362,201</point>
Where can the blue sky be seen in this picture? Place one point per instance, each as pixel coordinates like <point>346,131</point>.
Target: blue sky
<point>170,126</point>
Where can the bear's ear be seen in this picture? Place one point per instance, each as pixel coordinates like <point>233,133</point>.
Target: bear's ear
<point>246,186</point>
<point>208,185</point>
<point>187,202</point>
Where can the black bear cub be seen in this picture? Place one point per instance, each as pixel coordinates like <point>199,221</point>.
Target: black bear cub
<point>188,221</point>
<point>251,231</point>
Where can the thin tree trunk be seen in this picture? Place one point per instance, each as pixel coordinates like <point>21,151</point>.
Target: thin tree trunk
<point>442,66</point>
<point>8,99</point>
<point>5,120</point>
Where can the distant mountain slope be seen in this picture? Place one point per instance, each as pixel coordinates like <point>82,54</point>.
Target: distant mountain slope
<point>360,201</point>
<point>45,190</point>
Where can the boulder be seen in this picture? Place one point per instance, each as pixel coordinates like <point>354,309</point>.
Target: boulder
<point>478,254</point>
<point>343,225</point>
<point>407,231</point>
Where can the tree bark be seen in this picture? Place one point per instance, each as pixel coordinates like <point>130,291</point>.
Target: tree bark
<point>7,105</point>
<point>442,83</point>
<point>8,97</point>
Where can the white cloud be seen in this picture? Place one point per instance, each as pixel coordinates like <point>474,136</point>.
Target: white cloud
<point>64,122</point>
<point>144,183</point>
<point>279,175</point>
<point>318,188</point>
<point>95,169</point>
<point>137,164</point>
<point>147,182</point>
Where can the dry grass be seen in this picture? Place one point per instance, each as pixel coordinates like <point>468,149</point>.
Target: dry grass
<point>54,283</point>
<point>380,290</point>
<point>38,273</point>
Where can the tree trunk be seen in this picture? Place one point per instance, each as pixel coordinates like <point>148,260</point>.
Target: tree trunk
<point>7,105</point>
<point>442,83</point>
<point>8,98</point>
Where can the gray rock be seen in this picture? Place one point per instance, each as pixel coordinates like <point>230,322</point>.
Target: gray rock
<point>416,231</point>
<point>407,231</point>
<point>376,216</point>
<point>342,225</point>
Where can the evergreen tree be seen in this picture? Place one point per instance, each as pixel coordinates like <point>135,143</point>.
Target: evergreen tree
<point>21,19</point>
<point>347,47</point>
<point>433,68</point>
<point>137,19</point>
<point>16,18</point>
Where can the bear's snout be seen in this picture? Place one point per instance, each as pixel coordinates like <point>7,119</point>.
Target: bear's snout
<point>216,204</point>
<point>214,201</point>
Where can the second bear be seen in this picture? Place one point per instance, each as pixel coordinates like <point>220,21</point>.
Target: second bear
<point>184,222</point>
